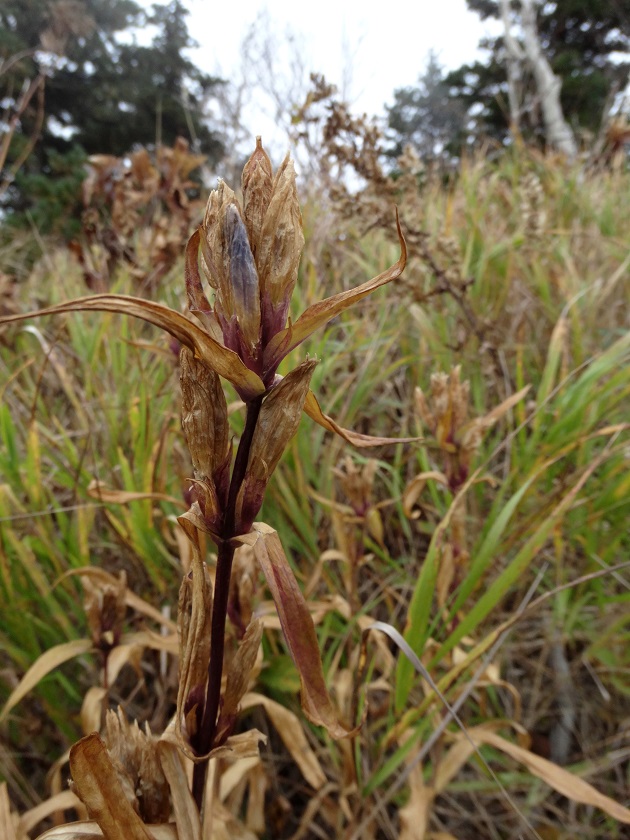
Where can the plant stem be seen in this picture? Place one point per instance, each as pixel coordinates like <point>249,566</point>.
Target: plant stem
<point>225,557</point>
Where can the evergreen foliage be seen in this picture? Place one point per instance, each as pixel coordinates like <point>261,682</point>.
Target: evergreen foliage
<point>104,94</point>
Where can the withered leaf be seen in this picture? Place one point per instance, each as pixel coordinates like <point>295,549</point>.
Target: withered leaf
<point>256,183</point>
<point>314,411</point>
<point>292,733</point>
<point>186,813</point>
<point>194,622</point>
<point>96,784</point>
<point>44,664</point>
<point>241,667</point>
<point>298,628</point>
<point>226,363</point>
<point>282,239</point>
<point>323,311</point>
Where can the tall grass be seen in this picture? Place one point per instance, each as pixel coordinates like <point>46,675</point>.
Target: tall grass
<point>95,398</point>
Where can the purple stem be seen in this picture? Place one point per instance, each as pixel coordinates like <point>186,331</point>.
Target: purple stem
<point>225,557</point>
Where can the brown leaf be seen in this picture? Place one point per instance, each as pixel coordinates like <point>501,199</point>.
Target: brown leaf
<point>88,830</point>
<point>186,813</point>
<point>97,490</point>
<point>314,411</point>
<point>282,239</point>
<point>63,801</point>
<point>240,668</point>
<point>323,311</point>
<point>97,785</point>
<point>298,628</point>
<point>7,823</point>
<point>256,184</point>
<point>292,733</point>
<point>133,601</point>
<point>226,363</point>
<point>565,782</point>
<point>194,622</point>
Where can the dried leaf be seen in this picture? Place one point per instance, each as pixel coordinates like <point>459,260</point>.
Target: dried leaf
<point>97,490</point>
<point>194,621</point>
<point>186,812</point>
<point>97,785</point>
<point>224,361</point>
<point>282,239</point>
<point>44,664</point>
<point>298,628</point>
<point>314,411</point>
<point>323,311</point>
<point>134,601</point>
<point>565,782</point>
<point>291,731</point>
<point>415,487</point>
<point>414,816</point>
<point>240,668</point>
<point>87,830</point>
<point>7,823</point>
<point>256,184</point>
<point>63,801</point>
<point>92,709</point>
<point>204,416</point>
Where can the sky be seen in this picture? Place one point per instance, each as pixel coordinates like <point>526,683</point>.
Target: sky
<point>366,49</point>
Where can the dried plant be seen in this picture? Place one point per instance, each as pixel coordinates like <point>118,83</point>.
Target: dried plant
<point>139,210</point>
<point>249,255</point>
<point>457,438</point>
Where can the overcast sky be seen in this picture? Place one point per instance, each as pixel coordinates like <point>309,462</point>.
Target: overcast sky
<point>366,49</point>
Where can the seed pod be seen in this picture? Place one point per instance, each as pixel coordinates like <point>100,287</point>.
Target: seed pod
<point>280,249</point>
<point>135,757</point>
<point>240,269</point>
<point>204,416</point>
<point>256,182</point>
<point>105,610</point>
<point>277,423</point>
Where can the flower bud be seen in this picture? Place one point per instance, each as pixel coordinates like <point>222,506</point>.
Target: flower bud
<point>280,249</point>
<point>256,182</point>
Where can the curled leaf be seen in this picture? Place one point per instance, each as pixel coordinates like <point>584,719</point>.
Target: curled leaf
<point>323,311</point>
<point>194,622</point>
<point>314,411</point>
<point>238,674</point>
<point>44,664</point>
<point>204,415</point>
<point>226,363</point>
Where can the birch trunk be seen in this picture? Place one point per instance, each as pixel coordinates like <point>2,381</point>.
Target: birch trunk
<point>557,129</point>
<point>515,58</point>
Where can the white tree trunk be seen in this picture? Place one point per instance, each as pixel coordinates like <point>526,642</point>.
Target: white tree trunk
<point>515,58</point>
<point>557,130</point>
